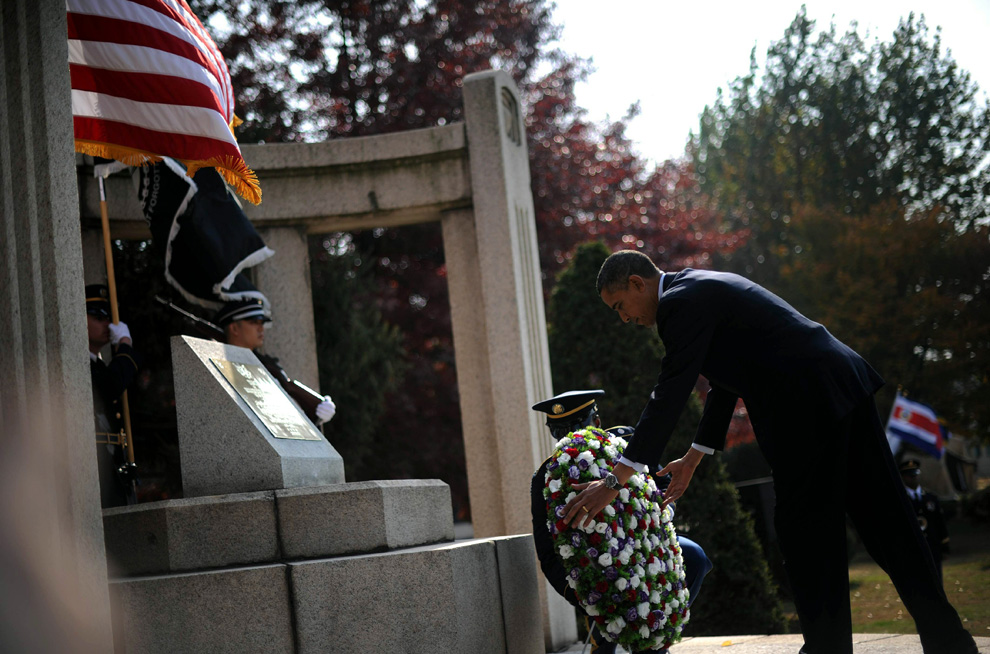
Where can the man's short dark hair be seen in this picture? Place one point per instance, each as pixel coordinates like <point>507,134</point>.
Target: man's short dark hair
<point>614,273</point>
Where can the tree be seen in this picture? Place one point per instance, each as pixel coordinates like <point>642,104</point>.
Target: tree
<point>591,348</point>
<point>841,126</point>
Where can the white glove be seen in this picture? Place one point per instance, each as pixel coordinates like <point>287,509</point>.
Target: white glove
<point>325,410</point>
<point>118,331</point>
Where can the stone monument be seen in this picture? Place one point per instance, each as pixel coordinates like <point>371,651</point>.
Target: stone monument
<point>238,430</point>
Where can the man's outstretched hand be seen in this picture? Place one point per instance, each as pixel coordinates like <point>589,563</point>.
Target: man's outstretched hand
<point>594,497</point>
<point>681,471</point>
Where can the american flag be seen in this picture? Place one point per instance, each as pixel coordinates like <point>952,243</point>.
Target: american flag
<point>149,82</point>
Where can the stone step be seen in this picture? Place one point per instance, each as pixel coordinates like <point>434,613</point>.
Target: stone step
<point>476,596</point>
<point>274,526</point>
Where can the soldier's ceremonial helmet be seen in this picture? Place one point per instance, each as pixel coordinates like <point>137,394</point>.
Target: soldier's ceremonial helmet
<point>910,467</point>
<point>241,310</point>
<point>570,411</point>
<point>98,301</point>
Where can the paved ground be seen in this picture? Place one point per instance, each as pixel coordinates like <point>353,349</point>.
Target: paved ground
<point>790,644</point>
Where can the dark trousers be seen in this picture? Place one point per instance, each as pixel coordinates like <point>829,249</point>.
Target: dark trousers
<point>822,472</point>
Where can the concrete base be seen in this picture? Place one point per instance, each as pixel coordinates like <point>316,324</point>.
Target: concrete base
<point>284,585</point>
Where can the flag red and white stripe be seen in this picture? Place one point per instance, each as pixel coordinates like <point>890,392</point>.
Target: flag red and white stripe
<point>915,423</point>
<point>149,82</point>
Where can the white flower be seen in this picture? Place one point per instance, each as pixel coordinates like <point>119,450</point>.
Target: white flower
<point>586,456</point>
<point>624,494</point>
<point>618,441</point>
<point>621,583</point>
<point>594,444</point>
<point>564,458</point>
<point>643,608</point>
<point>616,626</point>
<point>605,560</point>
<point>609,510</point>
<point>654,597</point>
<point>673,602</point>
<point>636,481</point>
<point>594,470</point>
<point>566,551</point>
<point>639,570</point>
<point>572,583</point>
<point>610,452</point>
<point>589,526</point>
<point>570,496</point>
<point>600,463</point>
<point>668,609</point>
<point>624,557</point>
<point>601,527</point>
<point>554,485</point>
<point>591,609</point>
<point>634,582</point>
<point>644,631</point>
<point>613,542</point>
<point>563,442</point>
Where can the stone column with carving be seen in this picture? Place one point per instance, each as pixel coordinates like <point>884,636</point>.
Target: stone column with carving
<point>499,324</point>
<point>52,561</point>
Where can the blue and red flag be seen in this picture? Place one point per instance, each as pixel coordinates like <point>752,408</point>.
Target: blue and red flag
<point>916,424</point>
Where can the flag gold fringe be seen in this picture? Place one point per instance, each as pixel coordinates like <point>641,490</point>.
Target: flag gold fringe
<point>233,169</point>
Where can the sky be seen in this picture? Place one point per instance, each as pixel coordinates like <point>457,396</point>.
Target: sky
<point>622,37</point>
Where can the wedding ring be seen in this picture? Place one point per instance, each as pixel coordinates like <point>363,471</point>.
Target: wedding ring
<point>585,509</point>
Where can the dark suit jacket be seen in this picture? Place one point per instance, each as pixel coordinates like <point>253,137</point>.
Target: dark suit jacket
<point>748,343</point>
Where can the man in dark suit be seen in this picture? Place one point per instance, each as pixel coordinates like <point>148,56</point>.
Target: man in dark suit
<point>566,413</point>
<point>928,511</point>
<point>807,394</point>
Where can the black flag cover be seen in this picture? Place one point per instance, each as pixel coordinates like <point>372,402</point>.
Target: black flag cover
<point>205,236</point>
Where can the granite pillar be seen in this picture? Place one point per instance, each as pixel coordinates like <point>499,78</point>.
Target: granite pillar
<point>52,566</point>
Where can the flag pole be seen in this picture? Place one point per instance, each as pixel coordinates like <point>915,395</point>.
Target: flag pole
<point>114,314</point>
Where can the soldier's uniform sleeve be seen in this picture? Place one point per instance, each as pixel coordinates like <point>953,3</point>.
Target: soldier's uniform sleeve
<point>112,380</point>
<point>939,533</point>
<point>552,568</point>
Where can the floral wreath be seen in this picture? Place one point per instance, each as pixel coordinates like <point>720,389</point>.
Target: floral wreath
<point>625,564</point>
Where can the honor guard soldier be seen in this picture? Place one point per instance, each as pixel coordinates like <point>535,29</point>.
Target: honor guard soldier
<point>928,510</point>
<point>566,413</point>
<point>109,383</point>
<point>243,324</point>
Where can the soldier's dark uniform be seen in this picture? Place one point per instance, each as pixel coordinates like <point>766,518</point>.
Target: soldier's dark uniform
<point>929,512</point>
<point>110,380</point>
<point>569,412</point>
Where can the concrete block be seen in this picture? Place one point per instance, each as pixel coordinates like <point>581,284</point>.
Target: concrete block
<point>363,517</point>
<point>191,534</point>
<point>223,445</point>
<point>439,598</point>
<point>236,611</point>
<point>519,581</point>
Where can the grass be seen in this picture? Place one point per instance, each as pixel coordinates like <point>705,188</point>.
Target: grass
<point>876,608</point>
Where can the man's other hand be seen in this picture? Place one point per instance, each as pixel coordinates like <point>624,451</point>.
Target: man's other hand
<point>119,333</point>
<point>681,471</point>
<point>325,410</point>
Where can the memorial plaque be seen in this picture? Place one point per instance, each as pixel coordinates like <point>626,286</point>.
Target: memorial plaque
<point>268,401</point>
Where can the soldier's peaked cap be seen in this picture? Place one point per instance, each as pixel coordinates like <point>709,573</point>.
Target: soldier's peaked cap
<point>910,467</point>
<point>241,310</point>
<point>98,300</point>
<point>570,405</point>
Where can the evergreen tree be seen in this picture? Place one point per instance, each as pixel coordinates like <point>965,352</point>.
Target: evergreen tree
<point>591,348</point>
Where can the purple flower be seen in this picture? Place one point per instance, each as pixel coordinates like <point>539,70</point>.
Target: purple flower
<point>611,573</point>
<point>559,511</point>
<point>573,472</point>
<point>592,553</point>
<point>575,539</point>
<point>575,573</point>
<point>594,597</point>
<point>632,615</point>
<point>553,465</point>
<point>578,442</point>
<point>614,551</point>
<point>583,464</point>
<point>608,533</point>
<point>643,596</point>
<point>616,597</point>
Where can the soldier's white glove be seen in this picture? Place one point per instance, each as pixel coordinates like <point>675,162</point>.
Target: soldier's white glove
<point>118,331</point>
<point>325,410</point>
